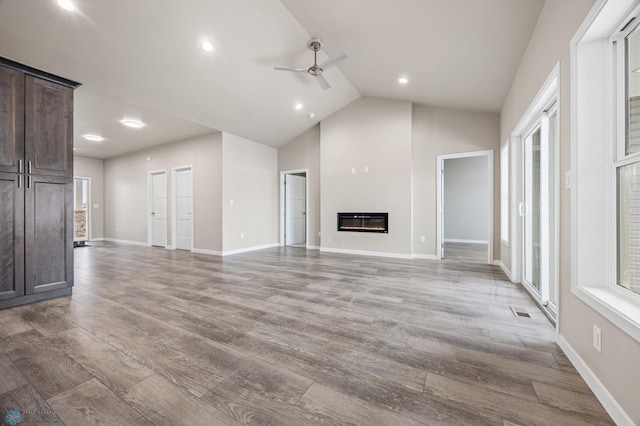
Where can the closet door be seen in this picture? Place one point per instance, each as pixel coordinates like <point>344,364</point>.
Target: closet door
<point>48,128</point>
<point>11,235</point>
<point>48,233</point>
<point>11,119</point>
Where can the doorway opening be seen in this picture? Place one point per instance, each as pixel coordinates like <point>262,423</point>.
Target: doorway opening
<point>182,207</point>
<point>157,209</point>
<point>293,206</point>
<point>465,206</point>
<point>81,211</point>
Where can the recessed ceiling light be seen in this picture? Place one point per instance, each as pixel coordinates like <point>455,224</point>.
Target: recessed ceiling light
<point>311,115</point>
<point>298,106</point>
<point>207,46</point>
<point>67,4</point>
<point>636,70</point>
<point>132,123</point>
<point>93,138</point>
<point>403,80</point>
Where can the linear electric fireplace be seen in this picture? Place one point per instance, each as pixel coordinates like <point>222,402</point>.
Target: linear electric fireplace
<point>363,222</point>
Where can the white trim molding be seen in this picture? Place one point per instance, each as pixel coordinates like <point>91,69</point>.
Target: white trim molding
<point>425,256</point>
<point>204,251</point>
<point>502,266</point>
<point>455,240</point>
<point>619,416</point>
<point>133,243</point>
<point>366,253</point>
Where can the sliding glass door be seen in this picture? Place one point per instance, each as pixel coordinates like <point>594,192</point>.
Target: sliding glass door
<point>539,209</point>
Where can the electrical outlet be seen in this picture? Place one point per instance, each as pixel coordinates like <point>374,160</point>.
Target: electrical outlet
<point>241,235</point>
<point>597,338</point>
<point>423,239</point>
<point>366,169</point>
<point>567,180</point>
<point>353,170</point>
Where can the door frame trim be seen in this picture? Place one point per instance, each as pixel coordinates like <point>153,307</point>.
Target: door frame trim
<point>89,208</point>
<point>439,169</point>
<point>283,242</point>
<point>150,175</point>
<point>174,206</point>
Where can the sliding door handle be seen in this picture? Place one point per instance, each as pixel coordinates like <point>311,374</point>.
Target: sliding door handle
<point>20,165</point>
<point>29,166</point>
<point>29,182</point>
<point>19,181</point>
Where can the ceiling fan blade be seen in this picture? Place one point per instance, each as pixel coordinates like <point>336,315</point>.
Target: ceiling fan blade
<point>323,82</point>
<point>289,69</point>
<point>332,62</point>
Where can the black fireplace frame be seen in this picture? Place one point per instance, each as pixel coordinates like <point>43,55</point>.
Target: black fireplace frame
<point>363,217</point>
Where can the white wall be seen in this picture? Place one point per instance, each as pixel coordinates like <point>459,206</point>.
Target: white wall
<point>616,367</point>
<point>304,153</point>
<point>438,131</point>
<point>94,169</point>
<point>371,133</point>
<point>466,199</point>
<point>249,194</point>
<point>126,190</point>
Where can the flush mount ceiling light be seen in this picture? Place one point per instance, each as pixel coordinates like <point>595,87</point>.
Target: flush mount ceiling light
<point>311,115</point>
<point>93,138</point>
<point>403,80</point>
<point>132,123</point>
<point>298,106</point>
<point>637,70</point>
<point>67,4</point>
<point>207,46</point>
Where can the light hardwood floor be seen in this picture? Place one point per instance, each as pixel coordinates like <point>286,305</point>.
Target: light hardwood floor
<point>286,336</point>
<point>467,252</point>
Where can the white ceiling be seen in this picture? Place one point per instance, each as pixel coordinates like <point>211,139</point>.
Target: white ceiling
<point>144,57</point>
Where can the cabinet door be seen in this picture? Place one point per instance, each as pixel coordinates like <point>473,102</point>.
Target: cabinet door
<point>48,128</point>
<point>11,235</point>
<point>48,233</point>
<point>11,119</point>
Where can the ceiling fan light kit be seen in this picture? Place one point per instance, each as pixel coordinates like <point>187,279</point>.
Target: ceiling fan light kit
<point>316,70</point>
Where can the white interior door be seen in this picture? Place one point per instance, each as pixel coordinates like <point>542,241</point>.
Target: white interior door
<point>184,210</point>
<point>295,209</point>
<point>159,209</point>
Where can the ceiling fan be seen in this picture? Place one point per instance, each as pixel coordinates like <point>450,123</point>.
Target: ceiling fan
<point>315,69</point>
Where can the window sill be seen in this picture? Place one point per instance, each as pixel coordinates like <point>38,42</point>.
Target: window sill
<point>616,305</point>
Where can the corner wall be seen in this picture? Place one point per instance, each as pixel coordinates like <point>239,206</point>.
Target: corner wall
<point>616,368</point>
<point>126,180</point>
<point>438,131</point>
<point>249,194</point>
<point>374,134</point>
<point>304,153</point>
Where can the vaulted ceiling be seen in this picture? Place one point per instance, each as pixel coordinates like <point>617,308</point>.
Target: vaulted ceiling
<point>144,59</point>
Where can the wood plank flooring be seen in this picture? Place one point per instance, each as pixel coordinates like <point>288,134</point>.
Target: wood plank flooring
<point>466,252</point>
<point>286,336</point>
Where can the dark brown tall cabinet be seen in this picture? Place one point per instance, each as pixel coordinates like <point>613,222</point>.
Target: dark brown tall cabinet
<point>36,185</point>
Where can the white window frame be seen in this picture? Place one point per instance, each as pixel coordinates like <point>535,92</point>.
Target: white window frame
<point>504,193</point>
<point>595,94</point>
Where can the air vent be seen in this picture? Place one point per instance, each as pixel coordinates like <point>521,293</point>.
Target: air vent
<point>520,312</point>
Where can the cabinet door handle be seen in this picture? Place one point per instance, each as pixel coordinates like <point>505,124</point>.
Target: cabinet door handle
<point>29,166</point>
<point>20,166</point>
<point>19,181</point>
<point>29,181</point>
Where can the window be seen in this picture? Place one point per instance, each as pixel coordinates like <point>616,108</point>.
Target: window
<point>626,46</point>
<point>605,163</point>
<point>504,193</point>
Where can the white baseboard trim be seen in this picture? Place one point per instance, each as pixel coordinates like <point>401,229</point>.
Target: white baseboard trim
<point>606,399</point>
<point>96,239</point>
<point>454,240</point>
<point>425,256</point>
<point>504,269</point>
<point>366,253</point>
<point>246,249</point>
<point>134,243</point>
<point>313,247</point>
<point>170,247</point>
<point>204,251</point>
